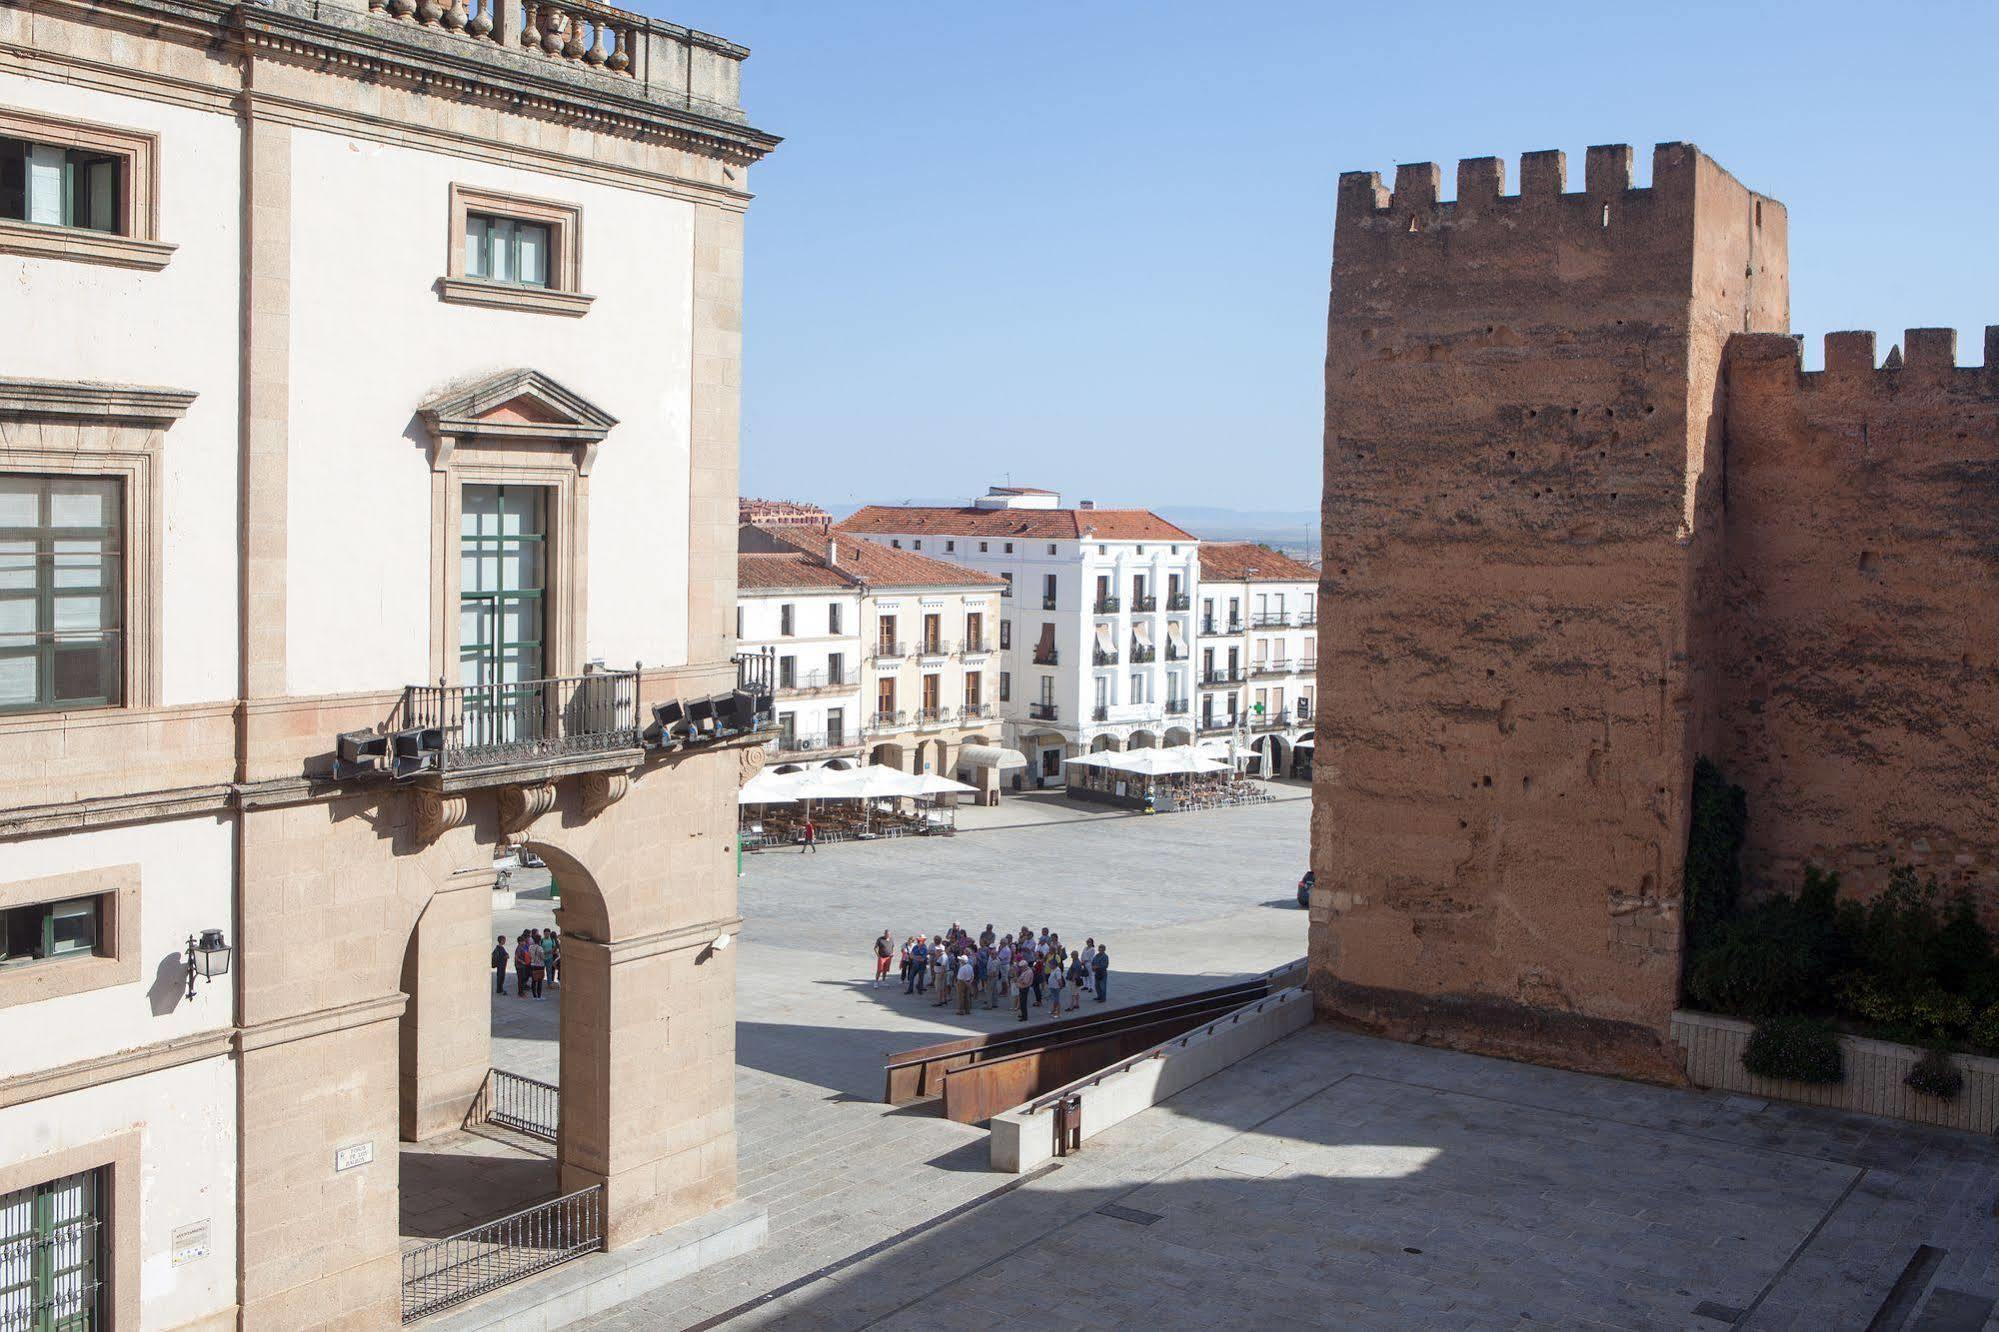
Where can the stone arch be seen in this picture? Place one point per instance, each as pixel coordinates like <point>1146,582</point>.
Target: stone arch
<point>839,764</point>
<point>1143,740</point>
<point>888,754</point>
<point>1276,753</point>
<point>1178,735</point>
<point>1103,744</point>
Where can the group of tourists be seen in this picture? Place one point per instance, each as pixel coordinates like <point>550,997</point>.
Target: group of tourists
<point>1024,969</point>
<point>537,959</point>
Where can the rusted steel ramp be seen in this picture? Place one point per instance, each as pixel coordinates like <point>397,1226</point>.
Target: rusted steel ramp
<point>978,1076</point>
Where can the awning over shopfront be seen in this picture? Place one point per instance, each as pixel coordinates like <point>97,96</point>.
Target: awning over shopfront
<point>991,756</point>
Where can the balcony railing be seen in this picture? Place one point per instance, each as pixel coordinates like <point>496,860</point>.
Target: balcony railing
<point>1175,651</point>
<point>1275,666</point>
<point>884,721</point>
<point>1042,711</point>
<point>1142,653</point>
<point>1047,603</point>
<point>1270,721</point>
<point>934,647</point>
<point>1145,601</point>
<point>975,645</point>
<point>1176,707</point>
<point>932,716</point>
<point>1179,601</point>
<point>811,682</point>
<point>524,1105</point>
<point>487,725</point>
<point>1101,712</point>
<point>1222,675</point>
<point>888,649</point>
<point>1104,656</point>
<point>1211,723</point>
<point>1108,605</point>
<point>1306,619</point>
<point>1213,627</point>
<point>812,744</point>
<point>1046,656</point>
<point>1269,619</point>
<point>977,711</point>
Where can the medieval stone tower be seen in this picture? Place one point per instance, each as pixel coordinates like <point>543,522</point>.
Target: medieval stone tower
<point>1523,435</point>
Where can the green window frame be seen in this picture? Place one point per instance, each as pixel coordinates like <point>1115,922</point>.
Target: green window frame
<point>62,600</point>
<point>52,1256</point>
<point>502,587</point>
<point>506,249</point>
<point>51,185</point>
<point>47,931</point>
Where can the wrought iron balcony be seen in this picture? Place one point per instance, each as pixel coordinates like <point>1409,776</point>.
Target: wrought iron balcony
<point>932,716</point>
<point>813,682</point>
<point>1145,601</point>
<point>1175,651</point>
<point>885,649</point>
<point>1047,603</point>
<point>1179,601</point>
<point>1213,723</point>
<point>1109,605</point>
<point>481,726</point>
<point>1104,656</point>
<point>973,646</point>
<point>1142,653</point>
<point>1046,657</point>
<point>1220,675</point>
<point>1214,627</point>
<point>1306,619</point>
<point>1042,711</point>
<point>813,744</point>
<point>1101,712</point>
<point>1269,620</point>
<point>935,647</point>
<point>1270,721</point>
<point>977,711</point>
<point>1176,707</point>
<point>1275,666</point>
<point>888,721</point>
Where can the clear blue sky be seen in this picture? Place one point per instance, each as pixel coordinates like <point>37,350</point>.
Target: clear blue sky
<point>1087,243</point>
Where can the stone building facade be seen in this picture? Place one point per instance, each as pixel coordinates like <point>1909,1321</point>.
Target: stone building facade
<point>369,367</point>
<point>1585,521</point>
<point>1256,652</point>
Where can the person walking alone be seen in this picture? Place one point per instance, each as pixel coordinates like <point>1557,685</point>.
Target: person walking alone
<point>884,950</point>
<point>1101,965</point>
<point>500,964</point>
<point>810,840</point>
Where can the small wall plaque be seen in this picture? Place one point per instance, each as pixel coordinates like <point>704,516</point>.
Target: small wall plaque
<point>356,1154</point>
<point>190,1242</point>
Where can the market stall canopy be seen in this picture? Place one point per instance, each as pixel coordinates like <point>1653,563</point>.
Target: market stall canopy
<point>933,783</point>
<point>1164,762</point>
<point>991,756</point>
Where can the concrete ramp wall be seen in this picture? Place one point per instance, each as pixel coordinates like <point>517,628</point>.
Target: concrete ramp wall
<point>1024,1138</point>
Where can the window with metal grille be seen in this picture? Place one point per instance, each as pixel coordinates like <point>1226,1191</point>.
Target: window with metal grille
<point>61,593</point>
<point>51,1256</point>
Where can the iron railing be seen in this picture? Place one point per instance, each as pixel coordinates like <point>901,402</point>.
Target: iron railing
<point>934,647</point>
<point>1222,675</point>
<point>1101,712</point>
<point>518,1103</point>
<point>810,682</point>
<point>1142,653</point>
<point>528,719</point>
<point>977,711</point>
<point>1108,605</point>
<point>1270,721</point>
<point>1275,666</point>
<point>885,720</point>
<point>806,744</point>
<point>1209,723</point>
<point>1042,711</point>
<point>1175,651</point>
<point>1104,656</point>
<point>1046,656</point>
<point>1176,707</point>
<point>1208,627</point>
<point>887,649</point>
<point>1179,601</point>
<point>932,716</point>
<point>73,1294</point>
<point>1269,620</point>
<point>978,645</point>
<point>460,1267</point>
<point>1144,601</point>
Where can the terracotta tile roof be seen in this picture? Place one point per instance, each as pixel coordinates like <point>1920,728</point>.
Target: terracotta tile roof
<point>797,570</point>
<point>880,566</point>
<point>1232,561</point>
<point>1033,524</point>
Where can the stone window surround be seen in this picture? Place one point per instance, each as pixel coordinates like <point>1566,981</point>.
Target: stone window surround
<point>118,1156</point>
<point>138,245</point>
<point>562,295</point>
<point>116,958</point>
<point>118,431</point>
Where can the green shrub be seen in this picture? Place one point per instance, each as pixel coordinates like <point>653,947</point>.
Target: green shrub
<point>1769,958</point>
<point>1796,1049</point>
<point>1935,1075</point>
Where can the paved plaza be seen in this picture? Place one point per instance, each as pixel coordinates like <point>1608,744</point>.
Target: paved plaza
<point>1331,1180</point>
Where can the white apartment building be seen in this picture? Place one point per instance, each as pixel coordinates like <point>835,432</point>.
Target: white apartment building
<point>1097,629</point>
<point>879,654</point>
<point>367,378</point>
<point>806,614</point>
<point>1257,651</point>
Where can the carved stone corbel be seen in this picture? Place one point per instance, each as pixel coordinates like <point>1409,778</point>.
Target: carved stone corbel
<point>520,806</point>
<point>601,790</point>
<point>437,813</point>
<point>750,760</point>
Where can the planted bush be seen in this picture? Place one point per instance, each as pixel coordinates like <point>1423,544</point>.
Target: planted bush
<point>1796,1049</point>
<point>1935,1075</point>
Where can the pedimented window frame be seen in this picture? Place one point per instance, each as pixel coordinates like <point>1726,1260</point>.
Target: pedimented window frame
<point>515,428</point>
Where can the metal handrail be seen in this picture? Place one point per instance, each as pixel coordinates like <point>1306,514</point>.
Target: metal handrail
<point>522,1104</point>
<point>460,1267</point>
<point>527,719</point>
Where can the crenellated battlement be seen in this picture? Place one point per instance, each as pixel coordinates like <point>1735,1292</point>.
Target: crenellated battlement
<point>1544,176</point>
<point>1925,358</point>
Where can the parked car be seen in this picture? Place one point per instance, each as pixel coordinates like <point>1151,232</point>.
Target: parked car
<point>1305,890</point>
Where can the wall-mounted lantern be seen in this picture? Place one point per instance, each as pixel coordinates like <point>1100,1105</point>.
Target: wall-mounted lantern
<point>207,957</point>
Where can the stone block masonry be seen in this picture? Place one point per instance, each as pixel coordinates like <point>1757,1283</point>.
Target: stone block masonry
<point>1584,521</point>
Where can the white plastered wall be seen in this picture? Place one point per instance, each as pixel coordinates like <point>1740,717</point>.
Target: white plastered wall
<point>68,320</point>
<point>371,342</point>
